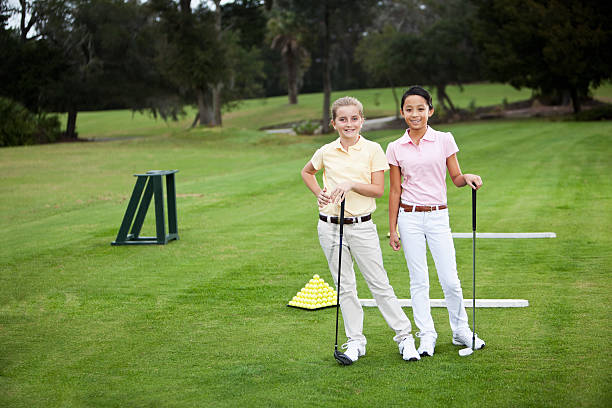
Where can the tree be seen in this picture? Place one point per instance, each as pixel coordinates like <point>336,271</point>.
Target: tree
<point>436,49</point>
<point>187,53</point>
<point>330,21</point>
<point>405,16</point>
<point>449,55</point>
<point>376,54</point>
<point>55,25</point>
<point>242,67</point>
<point>204,60</point>
<point>245,77</point>
<point>249,18</point>
<point>554,47</point>
<point>286,34</point>
<point>105,49</point>
<point>27,63</point>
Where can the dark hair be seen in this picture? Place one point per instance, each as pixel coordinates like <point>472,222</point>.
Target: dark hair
<point>417,90</point>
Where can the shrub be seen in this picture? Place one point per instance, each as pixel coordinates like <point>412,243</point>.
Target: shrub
<point>308,127</point>
<point>19,126</point>
<point>603,112</point>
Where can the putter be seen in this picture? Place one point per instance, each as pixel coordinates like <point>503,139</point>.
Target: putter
<point>339,356</point>
<point>467,351</point>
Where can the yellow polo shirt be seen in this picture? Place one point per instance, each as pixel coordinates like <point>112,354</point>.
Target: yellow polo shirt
<point>357,164</point>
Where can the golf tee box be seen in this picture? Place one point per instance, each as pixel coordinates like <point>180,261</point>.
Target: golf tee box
<point>315,295</point>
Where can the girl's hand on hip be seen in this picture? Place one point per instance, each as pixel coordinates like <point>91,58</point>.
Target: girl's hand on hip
<point>473,180</point>
<point>340,191</point>
<point>394,241</point>
<point>323,198</point>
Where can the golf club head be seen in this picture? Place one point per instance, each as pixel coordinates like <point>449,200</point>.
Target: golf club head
<point>342,359</point>
<point>466,352</point>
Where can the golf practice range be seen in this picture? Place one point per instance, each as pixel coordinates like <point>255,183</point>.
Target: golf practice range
<point>317,294</point>
<point>203,320</point>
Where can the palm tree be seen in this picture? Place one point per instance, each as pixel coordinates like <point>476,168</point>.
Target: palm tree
<point>287,35</point>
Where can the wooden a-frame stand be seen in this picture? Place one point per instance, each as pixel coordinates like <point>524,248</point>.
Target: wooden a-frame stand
<point>154,188</point>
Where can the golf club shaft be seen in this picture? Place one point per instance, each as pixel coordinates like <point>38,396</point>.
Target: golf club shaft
<point>473,268</point>
<point>339,268</point>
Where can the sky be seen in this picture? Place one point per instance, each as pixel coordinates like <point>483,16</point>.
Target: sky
<point>15,19</point>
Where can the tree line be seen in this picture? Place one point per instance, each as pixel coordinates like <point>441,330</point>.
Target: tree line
<point>161,55</point>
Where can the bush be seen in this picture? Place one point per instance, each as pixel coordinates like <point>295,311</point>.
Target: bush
<point>19,126</point>
<point>603,112</point>
<point>308,127</point>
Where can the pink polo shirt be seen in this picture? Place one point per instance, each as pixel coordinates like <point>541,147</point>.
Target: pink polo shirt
<point>423,167</point>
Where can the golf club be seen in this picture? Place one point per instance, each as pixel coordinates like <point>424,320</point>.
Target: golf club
<point>467,351</point>
<point>339,356</point>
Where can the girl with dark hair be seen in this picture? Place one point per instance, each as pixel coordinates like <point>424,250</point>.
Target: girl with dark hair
<point>418,208</point>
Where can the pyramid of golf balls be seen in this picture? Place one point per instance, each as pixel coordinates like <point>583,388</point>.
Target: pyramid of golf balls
<point>316,294</point>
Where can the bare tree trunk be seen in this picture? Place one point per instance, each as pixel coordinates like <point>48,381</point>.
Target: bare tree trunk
<point>185,6</point>
<point>326,73</point>
<point>292,78</point>
<point>440,96</point>
<point>575,100</point>
<point>216,102</point>
<point>443,97</point>
<point>326,98</point>
<point>205,116</point>
<point>450,103</point>
<point>398,108</point>
<point>216,89</point>
<point>71,124</point>
<point>24,26</point>
<point>195,120</point>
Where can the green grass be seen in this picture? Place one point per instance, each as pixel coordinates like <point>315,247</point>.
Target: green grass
<point>275,111</point>
<point>268,112</point>
<point>258,113</point>
<point>604,92</point>
<point>202,321</point>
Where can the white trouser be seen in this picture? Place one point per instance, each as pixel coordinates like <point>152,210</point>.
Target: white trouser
<point>415,228</point>
<point>361,241</point>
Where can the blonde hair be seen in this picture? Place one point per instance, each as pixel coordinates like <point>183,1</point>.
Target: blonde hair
<point>346,101</point>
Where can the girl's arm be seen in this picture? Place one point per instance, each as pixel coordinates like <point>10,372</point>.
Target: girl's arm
<point>395,193</point>
<point>375,189</point>
<point>458,178</point>
<point>308,175</point>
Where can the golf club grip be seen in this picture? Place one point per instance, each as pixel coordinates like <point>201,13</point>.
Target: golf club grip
<point>341,218</point>
<point>473,210</point>
<point>340,247</point>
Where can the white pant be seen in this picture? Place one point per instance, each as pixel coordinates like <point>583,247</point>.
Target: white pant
<point>415,228</point>
<point>361,241</point>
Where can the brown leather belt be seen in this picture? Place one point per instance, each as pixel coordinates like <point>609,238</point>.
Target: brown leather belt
<point>422,208</point>
<point>347,220</point>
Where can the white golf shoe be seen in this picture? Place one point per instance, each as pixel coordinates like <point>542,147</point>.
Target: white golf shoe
<point>464,338</point>
<point>354,350</point>
<point>427,344</point>
<point>407,349</point>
